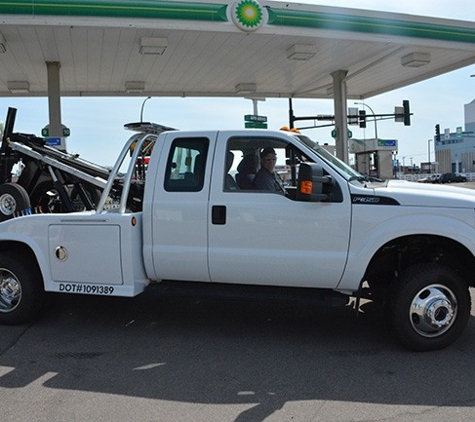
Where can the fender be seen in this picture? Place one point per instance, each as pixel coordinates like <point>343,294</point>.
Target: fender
<point>38,252</point>
<point>368,234</point>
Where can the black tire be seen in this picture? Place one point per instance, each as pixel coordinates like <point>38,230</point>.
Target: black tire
<point>13,198</point>
<point>429,307</point>
<point>22,295</point>
<point>91,191</point>
<point>46,196</point>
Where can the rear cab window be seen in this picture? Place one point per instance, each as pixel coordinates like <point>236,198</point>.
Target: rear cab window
<point>186,165</point>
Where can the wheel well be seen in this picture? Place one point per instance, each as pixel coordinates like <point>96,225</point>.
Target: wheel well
<point>401,253</point>
<point>20,248</point>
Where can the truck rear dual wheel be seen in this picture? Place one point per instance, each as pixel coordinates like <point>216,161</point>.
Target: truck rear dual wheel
<point>13,198</point>
<point>21,290</point>
<point>429,307</point>
<point>46,196</point>
<point>92,193</point>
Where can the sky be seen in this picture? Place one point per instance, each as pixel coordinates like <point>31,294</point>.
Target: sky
<point>96,124</point>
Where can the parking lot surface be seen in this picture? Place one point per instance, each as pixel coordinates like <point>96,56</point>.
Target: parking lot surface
<point>186,358</point>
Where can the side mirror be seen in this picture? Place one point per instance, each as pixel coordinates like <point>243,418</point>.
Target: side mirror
<point>310,183</point>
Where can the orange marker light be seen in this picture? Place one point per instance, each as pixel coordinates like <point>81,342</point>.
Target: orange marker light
<point>287,129</point>
<point>306,187</point>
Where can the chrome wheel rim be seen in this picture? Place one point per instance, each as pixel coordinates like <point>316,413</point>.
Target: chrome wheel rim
<point>10,291</point>
<point>7,204</point>
<point>433,310</point>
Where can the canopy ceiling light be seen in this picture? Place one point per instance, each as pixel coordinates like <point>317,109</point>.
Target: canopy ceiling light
<point>134,87</point>
<point>152,45</point>
<point>18,87</point>
<point>3,44</point>
<point>301,52</point>
<point>415,59</point>
<point>245,88</point>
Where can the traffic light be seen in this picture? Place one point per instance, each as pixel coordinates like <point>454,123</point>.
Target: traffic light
<point>407,113</point>
<point>437,133</point>
<point>362,118</point>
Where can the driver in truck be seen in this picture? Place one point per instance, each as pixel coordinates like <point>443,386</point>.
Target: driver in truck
<point>266,178</point>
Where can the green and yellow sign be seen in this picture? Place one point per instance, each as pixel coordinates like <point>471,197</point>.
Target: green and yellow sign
<point>247,15</point>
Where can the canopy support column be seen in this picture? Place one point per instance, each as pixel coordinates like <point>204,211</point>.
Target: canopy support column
<point>54,103</point>
<point>341,120</point>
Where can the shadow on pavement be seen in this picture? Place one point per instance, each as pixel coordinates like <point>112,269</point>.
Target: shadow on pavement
<point>221,351</point>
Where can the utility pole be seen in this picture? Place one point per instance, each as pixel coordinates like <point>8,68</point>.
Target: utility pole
<point>428,154</point>
<point>374,114</point>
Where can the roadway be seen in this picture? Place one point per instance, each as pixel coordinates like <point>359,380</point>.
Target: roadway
<point>192,359</point>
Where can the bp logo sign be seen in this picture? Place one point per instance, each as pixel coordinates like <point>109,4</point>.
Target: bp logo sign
<point>248,15</point>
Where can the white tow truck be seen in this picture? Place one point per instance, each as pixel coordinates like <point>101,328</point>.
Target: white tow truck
<point>175,208</point>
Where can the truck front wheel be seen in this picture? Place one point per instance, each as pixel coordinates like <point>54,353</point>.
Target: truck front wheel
<point>21,290</point>
<point>429,307</point>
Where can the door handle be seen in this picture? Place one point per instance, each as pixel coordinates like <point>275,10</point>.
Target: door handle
<point>218,214</point>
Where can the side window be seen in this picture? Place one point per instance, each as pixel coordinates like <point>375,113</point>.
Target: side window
<point>245,161</point>
<point>186,164</point>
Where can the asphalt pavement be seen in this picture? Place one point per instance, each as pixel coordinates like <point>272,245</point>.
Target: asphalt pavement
<point>193,359</point>
<point>187,358</point>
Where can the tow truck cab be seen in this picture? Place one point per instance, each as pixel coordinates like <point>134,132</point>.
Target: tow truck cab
<point>238,234</point>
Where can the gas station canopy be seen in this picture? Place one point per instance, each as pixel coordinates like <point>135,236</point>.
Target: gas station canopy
<point>220,48</point>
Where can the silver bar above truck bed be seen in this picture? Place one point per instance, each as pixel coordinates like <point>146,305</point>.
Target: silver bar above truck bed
<point>94,180</point>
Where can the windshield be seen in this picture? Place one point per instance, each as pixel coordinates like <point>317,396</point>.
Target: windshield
<point>344,169</point>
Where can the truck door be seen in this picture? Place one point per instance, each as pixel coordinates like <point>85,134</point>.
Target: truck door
<point>179,207</point>
<point>266,238</point>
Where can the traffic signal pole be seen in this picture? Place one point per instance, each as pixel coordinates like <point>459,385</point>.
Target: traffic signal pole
<point>341,119</point>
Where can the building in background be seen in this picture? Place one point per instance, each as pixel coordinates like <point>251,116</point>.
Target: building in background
<point>375,156</point>
<point>455,151</point>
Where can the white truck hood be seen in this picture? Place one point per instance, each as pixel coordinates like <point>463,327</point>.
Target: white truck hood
<point>421,194</point>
